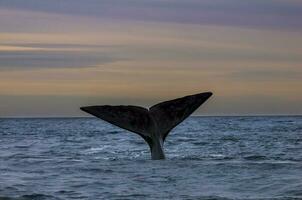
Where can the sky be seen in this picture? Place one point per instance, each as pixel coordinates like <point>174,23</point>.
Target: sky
<point>56,55</point>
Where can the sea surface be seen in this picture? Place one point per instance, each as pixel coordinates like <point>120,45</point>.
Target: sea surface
<point>207,158</point>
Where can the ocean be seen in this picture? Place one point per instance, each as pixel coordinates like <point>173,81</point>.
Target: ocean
<point>207,158</point>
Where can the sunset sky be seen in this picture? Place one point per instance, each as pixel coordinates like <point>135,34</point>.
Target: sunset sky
<point>58,55</point>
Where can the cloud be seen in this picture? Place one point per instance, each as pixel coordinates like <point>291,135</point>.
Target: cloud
<point>28,56</point>
<point>274,14</point>
<point>257,74</point>
<point>115,51</point>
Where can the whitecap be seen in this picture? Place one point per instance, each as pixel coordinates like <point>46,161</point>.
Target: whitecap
<point>94,150</point>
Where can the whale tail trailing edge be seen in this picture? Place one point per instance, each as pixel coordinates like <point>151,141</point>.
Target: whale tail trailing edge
<point>152,125</point>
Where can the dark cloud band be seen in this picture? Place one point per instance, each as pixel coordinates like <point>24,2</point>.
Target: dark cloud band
<point>257,13</point>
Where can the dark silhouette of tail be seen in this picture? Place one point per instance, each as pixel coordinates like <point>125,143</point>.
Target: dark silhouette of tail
<point>152,125</point>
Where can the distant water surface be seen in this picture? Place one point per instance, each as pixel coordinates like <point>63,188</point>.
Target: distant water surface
<point>207,158</point>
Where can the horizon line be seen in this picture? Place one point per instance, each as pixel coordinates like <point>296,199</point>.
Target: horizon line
<point>223,115</point>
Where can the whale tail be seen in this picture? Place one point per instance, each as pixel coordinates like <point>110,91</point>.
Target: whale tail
<point>152,125</point>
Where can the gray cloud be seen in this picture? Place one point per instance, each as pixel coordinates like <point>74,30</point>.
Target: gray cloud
<point>53,57</point>
<point>207,54</point>
<point>266,75</point>
<point>256,13</point>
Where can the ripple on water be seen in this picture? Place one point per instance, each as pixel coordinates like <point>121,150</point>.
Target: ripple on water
<point>207,158</point>
<point>31,197</point>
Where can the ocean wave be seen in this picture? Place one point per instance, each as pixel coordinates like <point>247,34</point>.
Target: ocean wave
<point>206,158</point>
<point>187,197</point>
<point>255,157</point>
<point>230,138</point>
<point>94,150</point>
<point>210,157</point>
<point>33,196</point>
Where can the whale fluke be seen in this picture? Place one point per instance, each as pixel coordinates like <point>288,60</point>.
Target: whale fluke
<point>152,125</point>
